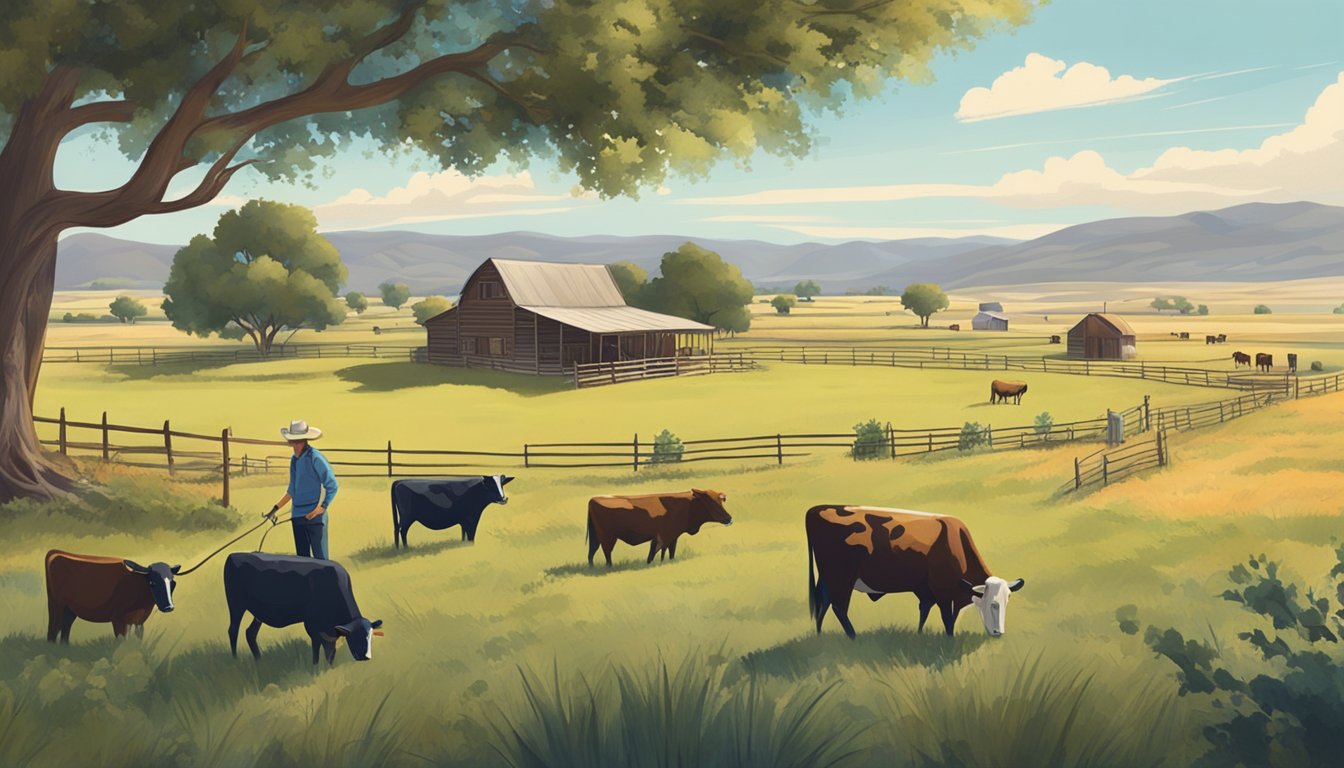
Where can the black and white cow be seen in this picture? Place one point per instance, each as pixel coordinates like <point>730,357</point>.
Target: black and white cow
<point>280,590</point>
<point>440,503</point>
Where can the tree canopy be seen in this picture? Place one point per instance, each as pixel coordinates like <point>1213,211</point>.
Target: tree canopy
<point>394,294</point>
<point>264,270</point>
<point>697,284</point>
<point>630,279</point>
<point>784,303</point>
<point>924,299</point>
<point>429,307</point>
<point>806,289</point>
<point>127,309</point>
<point>357,302</point>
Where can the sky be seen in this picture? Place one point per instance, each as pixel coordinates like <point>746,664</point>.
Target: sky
<point>1095,109</point>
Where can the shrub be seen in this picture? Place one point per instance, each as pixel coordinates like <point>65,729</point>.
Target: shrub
<point>1044,423</point>
<point>1339,310</point>
<point>428,307</point>
<point>870,440</point>
<point>1203,309</point>
<point>1261,309</point>
<point>783,303</point>
<point>972,436</point>
<point>131,504</point>
<point>1317,365</point>
<point>667,448</point>
<point>1284,708</point>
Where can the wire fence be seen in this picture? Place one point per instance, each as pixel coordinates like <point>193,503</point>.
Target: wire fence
<point>153,356</point>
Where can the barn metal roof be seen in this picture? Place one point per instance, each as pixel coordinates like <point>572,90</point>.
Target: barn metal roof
<point>995,315</point>
<point>544,284</point>
<point>1116,322</point>
<point>620,319</point>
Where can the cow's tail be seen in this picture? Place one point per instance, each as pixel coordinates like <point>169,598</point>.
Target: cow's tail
<point>396,518</point>
<point>813,596</point>
<point>589,533</point>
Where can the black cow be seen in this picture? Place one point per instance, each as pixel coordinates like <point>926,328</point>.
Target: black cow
<point>280,590</point>
<point>438,504</point>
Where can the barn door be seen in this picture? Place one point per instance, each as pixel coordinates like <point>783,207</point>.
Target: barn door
<point>611,349</point>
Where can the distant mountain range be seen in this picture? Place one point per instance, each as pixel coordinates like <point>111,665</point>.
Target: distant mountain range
<point>1257,242</point>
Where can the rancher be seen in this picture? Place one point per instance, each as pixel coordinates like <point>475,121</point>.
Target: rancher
<point>309,475</point>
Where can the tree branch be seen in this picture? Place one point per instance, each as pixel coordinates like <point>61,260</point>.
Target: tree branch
<point>724,46</point>
<point>117,111</point>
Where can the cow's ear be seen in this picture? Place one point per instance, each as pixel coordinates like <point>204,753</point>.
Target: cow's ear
<point>175,569</point>
<point>506,480</point>
<point>376,623</point>
<point>341,630</point>
<point>134,567</point>
<point>969,587</point>
<point>699,492</point>
<point>1016,585</point>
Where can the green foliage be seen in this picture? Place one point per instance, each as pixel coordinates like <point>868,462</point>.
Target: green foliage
<point>1261,309</point>
<point>1202,310</point>
<point>357,302</point>
<point>667,448</point>
<point>1044,423</point>
<point>1339,310</point>
<point>699,285</point>
<point>1178,303</point>
<point>113,284</point>
<point>870,440</point>
<point>783,303</point>
<point>85,317</point>
<point>1161,304</point>
<point>127,309</point>
<point>129,504</point>
<point>430,307</point>
<point>1317,365</point>
<point>1285,707</point>
<point>394,294</point>
<point>265,269</point>
<point>806,289</point>
<point>878,290</point>
<point>972,436</point>
<point>924,299</point>
<point>630,279</point>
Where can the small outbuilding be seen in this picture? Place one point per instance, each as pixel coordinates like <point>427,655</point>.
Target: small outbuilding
<point>991,306</point>
<point>989,321</point>
<point>1102,337</point>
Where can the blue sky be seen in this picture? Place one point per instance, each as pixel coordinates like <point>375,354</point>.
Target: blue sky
<point>1201,105</point>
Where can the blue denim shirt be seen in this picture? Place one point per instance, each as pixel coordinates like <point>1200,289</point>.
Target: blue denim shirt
<point>309,474</point>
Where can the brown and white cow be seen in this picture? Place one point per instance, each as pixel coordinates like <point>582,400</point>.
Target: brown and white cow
<point>659,519</point>
<point>881,551</point>
<point>104,589</point>
<point>1000,391</point>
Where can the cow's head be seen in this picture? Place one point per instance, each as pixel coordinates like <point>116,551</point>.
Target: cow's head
<point>991,599</point>
<point>359,636</point>
<point>161,581</point>
<point>494,486</point>
<point>709,506</point>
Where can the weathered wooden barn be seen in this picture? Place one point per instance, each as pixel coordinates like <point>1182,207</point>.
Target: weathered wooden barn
<point>545,318</point>
<point>989,321</point>
<point>1102,337</point>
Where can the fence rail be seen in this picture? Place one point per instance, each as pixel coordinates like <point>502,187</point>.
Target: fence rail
<point>221,355</point>
<point>1110,465</point>
<point>599,374</point>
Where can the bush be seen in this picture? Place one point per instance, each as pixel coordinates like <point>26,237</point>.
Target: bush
<point>783,303</point>
<point>131,504</point>
<point>428,307</point>
<point>1317,365</point>
<point>1339,310</point>
<point>1285,707</point>
<point>1203,309</point>
<point>1261,309</point>
<point>667,448</point>
<point>1044,423</point>
<point>870,440</point>
<point>972,436</point>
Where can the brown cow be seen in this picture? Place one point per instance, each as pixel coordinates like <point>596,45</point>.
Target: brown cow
<point>1241,358</point>
<point>883,551</point>
<point>954,327</point>
<point>1264,361</point>
<point>1000,391</point>
<point>104,589</point>
<point>659,519</point>
<point>1054,340</point>
<point>1210,339</point>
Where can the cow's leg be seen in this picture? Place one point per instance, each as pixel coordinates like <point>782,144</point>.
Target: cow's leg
<point>55,620</point>
<point>317,645</point>
<point>593,544</point>
<point>672,550</point>
<point>119,626</point>
<point>653,550</point>
<point>252,630</point>
<point>471,534</point>
<point>925,605</point>
<point>949,613</point>
<point>67,623</point>
<point>235,618</point>
<point>840,605</point>
<point>330,648</point>
<point>607,546</point>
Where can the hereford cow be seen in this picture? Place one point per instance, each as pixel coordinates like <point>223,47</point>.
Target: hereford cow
<point>884,551</point>
<point>438,504</point>
<point>1000,391</point>
<point>104,589</point>
<point>659,519</point>
<point>280,590</point>
<point>1241,358</point>
<point>1263,361</point>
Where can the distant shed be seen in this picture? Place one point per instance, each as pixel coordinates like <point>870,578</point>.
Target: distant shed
<point>1102,337</point>
<point>991,306</point>
<point>990,321</point>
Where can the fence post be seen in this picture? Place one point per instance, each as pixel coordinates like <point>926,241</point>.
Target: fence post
<point>105,451</point>
<point>1161,458</point>
<point>1105,469</point>
<point>389,458</point>
<point>62,433</point>
<point>989,432</point>
<point>526,459</point>
<point>1147,415</point>
<point>891,439</point>
<point>930,442</point>
<point>779,448</point>
<point>168,446</point>
<point>635,445</point>
<point>224,449</point>
<point>1077,474</point>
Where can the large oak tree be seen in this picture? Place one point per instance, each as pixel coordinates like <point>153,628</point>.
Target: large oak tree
<point>618,92</point>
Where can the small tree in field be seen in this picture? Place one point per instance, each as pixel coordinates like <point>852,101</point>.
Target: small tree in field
<point>430,307</point>
<point>357,302</point>
<point>972,436</point>
<point>870,440</point>
<point>1203,309</point>
<point>127,309</point>
<point>699,285</point>
<point>807,289</point>
<point>783,303</point>
<point>1261,309</point>
<point>1161,303</point>
<point>394,294</point>
<point>265,269</point>
<point>1044,423</point>
<point>924,299</point>
<point>667,448</point>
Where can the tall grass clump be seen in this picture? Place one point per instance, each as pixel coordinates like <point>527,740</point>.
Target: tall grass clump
<point>870,440</point>
<point>667,448</point>
<point>121,504</point>
<point>660,715</point>
<point>972,436</point>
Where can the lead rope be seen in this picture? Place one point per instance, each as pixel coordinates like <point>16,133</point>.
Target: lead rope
<point>239,537</point>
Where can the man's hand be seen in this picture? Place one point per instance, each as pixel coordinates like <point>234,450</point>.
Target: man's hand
<point>271,514</point>
<point>316,511</point>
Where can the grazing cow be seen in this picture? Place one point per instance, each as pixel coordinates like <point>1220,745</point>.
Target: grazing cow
<point>1210,339</point>
<point>1185,335</point>
<point>954,327</point>
<point>884,551</point>
<point>1241,358</point>
<point>659,519</point>
<point>1054,340</point>
<point>1222,338</point>
<point>1263,361</point>
<point>280,590</point>
<point>104,589</point>
<point>1000,391</point>
<point>438,504</point>
<point>1292,362</point>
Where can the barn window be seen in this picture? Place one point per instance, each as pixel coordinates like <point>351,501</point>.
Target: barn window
<point>497,347</point>
<point>469,345</point>
<point>490,290</point>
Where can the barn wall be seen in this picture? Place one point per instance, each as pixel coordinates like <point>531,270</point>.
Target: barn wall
<point>481,320</point>
<point>524,336</point>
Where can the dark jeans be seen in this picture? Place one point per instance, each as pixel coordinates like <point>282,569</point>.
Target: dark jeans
<point>310,540</point>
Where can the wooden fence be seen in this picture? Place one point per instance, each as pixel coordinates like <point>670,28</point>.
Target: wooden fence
<point>599,374</point>
<point>1112,464</point>
<point>224,355</point>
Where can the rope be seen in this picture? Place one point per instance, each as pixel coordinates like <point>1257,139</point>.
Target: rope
<point>239,537</point>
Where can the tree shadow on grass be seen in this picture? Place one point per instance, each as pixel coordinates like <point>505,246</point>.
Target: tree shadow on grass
<point>885,647</point>
<point>146,372</point>
<point>383,551</point>
<point>391,377</point>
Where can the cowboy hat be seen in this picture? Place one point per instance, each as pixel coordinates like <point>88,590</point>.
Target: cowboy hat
<point>299,430</point>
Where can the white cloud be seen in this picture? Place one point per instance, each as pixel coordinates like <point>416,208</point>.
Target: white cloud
<point>1044,84</point>
<point>443,196</point>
